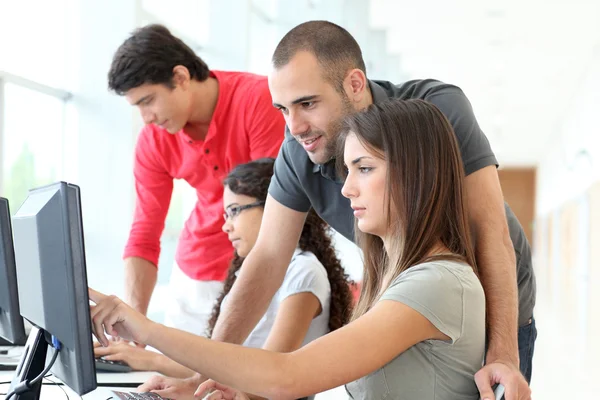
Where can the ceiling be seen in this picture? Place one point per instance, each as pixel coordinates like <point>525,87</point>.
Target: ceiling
<point>521,63</point>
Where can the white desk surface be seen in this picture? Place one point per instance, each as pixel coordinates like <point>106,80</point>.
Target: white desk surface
<point>54,392</point>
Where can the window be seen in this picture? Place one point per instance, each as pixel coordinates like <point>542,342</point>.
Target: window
<point>263,38</point>
<point>191,25</point>
<point>35,42</point>
<point>32,143</point>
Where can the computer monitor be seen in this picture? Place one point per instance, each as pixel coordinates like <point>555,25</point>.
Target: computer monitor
<point>53,290</point>
<point>12,328</point>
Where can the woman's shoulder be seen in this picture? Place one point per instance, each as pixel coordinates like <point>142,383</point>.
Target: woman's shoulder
<point>446,271</point>
<point>305,261</point>
<point>305,272</point>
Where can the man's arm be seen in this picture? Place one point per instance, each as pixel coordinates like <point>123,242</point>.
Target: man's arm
<point>140,279</point>
<point>262,272</point>
<point>496,262</point>
<point>497,269</point>
<point>153,188</point>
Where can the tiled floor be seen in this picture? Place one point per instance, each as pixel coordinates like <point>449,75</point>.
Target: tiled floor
<point>566,363</point>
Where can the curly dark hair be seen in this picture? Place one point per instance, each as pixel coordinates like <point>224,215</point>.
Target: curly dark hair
<point>252,179</point>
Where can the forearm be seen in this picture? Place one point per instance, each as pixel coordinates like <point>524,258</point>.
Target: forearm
<point>168,367</point>
<point>140,279</point>
<point>497,268</point>
<point>250,370</point>
<point>249,298</point>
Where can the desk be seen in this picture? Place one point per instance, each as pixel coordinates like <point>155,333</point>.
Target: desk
<point>125,382</point>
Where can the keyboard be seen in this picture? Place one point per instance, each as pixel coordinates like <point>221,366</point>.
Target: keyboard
<point>103,365</point>
<point>137,396</point>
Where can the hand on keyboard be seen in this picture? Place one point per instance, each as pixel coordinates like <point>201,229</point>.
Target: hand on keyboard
<point>212,390</point>
<point>138,359</point>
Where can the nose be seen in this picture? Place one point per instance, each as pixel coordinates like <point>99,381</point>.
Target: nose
<point>227,226</point>
<point>147,115</point>
<point>297,124</point>
<point>349,189</point>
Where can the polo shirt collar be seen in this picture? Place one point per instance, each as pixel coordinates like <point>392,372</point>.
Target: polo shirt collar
<point>378,92</point>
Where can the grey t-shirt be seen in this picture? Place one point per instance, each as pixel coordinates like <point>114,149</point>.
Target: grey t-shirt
<point>450,296</point>
<point>299,184</point>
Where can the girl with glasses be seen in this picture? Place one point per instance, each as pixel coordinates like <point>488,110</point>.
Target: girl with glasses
<point>313,300</point>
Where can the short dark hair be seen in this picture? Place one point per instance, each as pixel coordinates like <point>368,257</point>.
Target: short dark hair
<point>336,51</point>
<point>148,56</point>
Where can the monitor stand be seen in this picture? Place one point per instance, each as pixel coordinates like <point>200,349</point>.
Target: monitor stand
<point>32,364</point>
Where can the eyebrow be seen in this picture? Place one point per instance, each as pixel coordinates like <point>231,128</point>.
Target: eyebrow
<point>357,160</point>
<point>299,100</point>
<point>137,103</point>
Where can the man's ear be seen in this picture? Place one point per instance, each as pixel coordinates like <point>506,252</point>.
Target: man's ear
<point>356,85</point>
<point>181,76</point>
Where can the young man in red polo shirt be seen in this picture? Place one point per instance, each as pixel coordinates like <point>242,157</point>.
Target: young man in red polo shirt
<point>199,125</point>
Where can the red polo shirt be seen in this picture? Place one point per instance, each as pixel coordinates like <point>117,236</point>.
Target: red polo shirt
<point>245,126</point>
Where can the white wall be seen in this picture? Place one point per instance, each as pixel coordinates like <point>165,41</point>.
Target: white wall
<point>565,172</point>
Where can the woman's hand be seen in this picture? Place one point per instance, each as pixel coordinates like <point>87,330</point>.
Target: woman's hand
<point>136,358</point>
<point>113,316</point>
<point>211,390</point>
<point>171,388</point>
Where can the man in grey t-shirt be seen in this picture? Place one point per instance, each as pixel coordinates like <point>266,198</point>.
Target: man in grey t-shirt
<point>318,77</point>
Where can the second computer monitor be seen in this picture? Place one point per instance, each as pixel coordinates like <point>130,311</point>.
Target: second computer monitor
<point>52,279</point>
<point>11,322</point>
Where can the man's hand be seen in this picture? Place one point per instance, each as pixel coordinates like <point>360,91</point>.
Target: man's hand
<point>172,388</point>
<point>516,387</point>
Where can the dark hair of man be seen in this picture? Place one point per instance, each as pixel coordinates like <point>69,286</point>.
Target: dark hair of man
<point>336,51</point>
<point>148,56</point>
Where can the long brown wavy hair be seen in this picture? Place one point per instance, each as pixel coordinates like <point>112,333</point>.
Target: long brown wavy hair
<point>252,179</point>
<point>424,190</point>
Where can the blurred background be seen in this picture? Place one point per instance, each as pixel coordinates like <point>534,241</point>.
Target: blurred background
<point>530,68</point>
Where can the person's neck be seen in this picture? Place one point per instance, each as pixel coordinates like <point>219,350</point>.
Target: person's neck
<point>204,102</point>
<point>366,101</point>
<point>437,249</point>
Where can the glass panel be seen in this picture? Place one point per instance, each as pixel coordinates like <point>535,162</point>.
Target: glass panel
<point>32,151</point>
<point>192,25</point>
<point>34,41</point>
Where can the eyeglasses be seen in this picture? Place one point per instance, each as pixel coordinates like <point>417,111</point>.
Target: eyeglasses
<point>232,212</point>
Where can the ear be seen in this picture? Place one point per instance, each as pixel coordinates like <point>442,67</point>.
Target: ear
<point>181,76</point>
<point>356,85</point>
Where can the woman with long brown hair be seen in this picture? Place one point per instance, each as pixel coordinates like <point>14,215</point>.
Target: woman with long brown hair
<point>418,331</point>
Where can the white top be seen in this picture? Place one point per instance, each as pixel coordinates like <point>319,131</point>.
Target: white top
<point>305,274</point>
